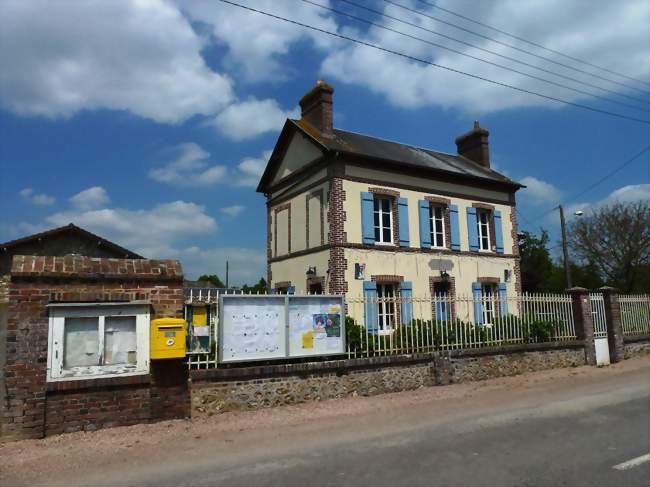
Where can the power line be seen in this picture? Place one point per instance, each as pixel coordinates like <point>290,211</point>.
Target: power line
<point>608,175</point>
<point>447,68</point>
<point>532,43</point>
<point>505,44</point>
<point>489,51</point>
<point>380,26</point>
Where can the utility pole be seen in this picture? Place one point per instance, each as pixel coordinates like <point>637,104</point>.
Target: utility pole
<point>565,250</point>
<point>227,287</point>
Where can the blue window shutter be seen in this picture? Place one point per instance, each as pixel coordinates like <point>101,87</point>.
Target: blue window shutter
<point>503,302</point>
<point>472,230</point>
<point>425,228</point>
<point>403,215</point>
<point>367,222</point>
<point>453,225</point>
<point>406,295</point>
<point>498,231</point>
<point>291,290</point>
<point>371,306</point>
<point>477,294</point>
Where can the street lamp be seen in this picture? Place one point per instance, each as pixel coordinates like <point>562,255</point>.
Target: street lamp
<point>565,250</point>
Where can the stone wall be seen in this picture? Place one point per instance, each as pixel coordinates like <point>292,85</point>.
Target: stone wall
<point>219,390</point>
<point>484,366</point>
<point>212,398</point>
<point>37,407</point>
<point>635,347</point>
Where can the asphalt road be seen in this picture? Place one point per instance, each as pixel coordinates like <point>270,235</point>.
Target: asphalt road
<point>569,430</point>
<point>542,446</point>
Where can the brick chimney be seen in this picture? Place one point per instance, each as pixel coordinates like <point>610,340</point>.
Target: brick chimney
<point>474,145</point>
<point>316,107</point>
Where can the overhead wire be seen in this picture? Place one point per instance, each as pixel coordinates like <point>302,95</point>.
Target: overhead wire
<point>505,44</point>
<point>491,52</point>
<point>437,65</point>
<point>507,68</point>
<point>618,168</point>
<point>532,43</point>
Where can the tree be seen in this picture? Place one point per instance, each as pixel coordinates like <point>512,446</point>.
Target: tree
<point>260,287</point>
<point>212,278</point>
<point>536,264</point>
<point>615,241</point>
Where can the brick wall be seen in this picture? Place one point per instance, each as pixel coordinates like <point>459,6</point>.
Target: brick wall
<point>35,407</point>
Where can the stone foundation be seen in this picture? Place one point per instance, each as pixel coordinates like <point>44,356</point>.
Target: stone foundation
<point>220,390</point>
<point>468,369</point>
<point>637,348</point>
<point>212,398</point>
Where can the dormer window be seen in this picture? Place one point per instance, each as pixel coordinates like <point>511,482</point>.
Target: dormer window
<point>483,223</point>
<point>383,220</point>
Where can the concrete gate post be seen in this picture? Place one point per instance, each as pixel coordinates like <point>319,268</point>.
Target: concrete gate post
<point>584,321</point>
<point>614,324</point>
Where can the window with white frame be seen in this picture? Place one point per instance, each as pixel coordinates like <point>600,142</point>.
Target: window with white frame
<point>437,225</point>
<point>483,223</point>
<point>488,294</point>
<point>386,296</point>
<point>383,215</point>
<point>89,340</point>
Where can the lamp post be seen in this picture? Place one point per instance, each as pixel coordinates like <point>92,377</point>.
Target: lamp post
<point>565,250</point>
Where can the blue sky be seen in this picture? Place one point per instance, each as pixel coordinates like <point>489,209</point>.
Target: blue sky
<point>149,122</point>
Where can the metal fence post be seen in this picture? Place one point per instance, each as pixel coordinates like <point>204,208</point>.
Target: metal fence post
<point>584,321</point>
<point>614,324</point>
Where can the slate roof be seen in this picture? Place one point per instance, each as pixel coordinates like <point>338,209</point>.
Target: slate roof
<point>366,146</point>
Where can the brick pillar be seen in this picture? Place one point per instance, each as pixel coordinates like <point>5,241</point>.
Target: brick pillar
<point>584,322</point>
<point>614,324</point>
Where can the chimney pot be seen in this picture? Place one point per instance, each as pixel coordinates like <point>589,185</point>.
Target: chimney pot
<point>316,108</point>
<point>474,145</point>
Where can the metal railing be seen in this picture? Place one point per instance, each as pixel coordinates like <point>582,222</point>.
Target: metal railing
<point>635,313</point>
<point>399,325</point>
<point>444,322</point>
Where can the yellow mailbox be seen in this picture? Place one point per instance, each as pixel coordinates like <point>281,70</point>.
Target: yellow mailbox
<point>167,338</point>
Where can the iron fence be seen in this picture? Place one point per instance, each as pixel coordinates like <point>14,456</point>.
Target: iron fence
<point>635,313</point>
<point>406,325</point>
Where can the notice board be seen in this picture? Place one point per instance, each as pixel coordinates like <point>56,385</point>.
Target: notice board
<point>270,327</point>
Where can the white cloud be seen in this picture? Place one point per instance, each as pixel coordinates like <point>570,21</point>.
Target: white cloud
<point>141,56</point>
<point>39,199</point>
<point>257,45</point>
<point>90,198</point>
<point>244,265</point>
<point>233,211</point>
<point>630,193</point>
<point>539,192</point>
<point>250,170</point>
<point>581,31</point>
<point>247,119</point>
<point>627,194</point>
<point>150,232</point>
<point>190,168</point>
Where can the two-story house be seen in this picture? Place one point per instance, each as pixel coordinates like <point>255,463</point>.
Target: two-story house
<point>361,216</point>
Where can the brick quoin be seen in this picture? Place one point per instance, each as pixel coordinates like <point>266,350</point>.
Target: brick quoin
<point>36,408</point>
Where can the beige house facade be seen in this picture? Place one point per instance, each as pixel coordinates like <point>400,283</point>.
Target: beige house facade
<point>369,218</point>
